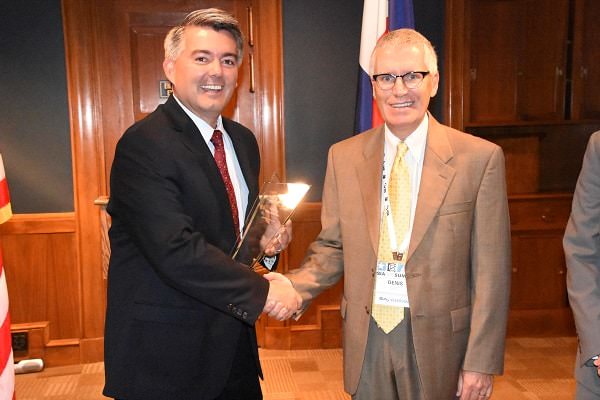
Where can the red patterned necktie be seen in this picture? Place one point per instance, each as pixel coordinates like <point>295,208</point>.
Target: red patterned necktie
<point>217,141</point>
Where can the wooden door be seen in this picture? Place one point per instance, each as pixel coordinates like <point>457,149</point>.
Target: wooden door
<point>492,74</point>
<point>542,59</point>
<point>114,71</point>
<point>130,56</point>
<point>518,58</point>
<point>585,100</point>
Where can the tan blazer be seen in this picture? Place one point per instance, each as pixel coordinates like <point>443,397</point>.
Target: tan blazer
<point>458,265</point>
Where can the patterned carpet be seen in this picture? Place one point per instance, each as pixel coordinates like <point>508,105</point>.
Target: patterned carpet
<point>536,369</point>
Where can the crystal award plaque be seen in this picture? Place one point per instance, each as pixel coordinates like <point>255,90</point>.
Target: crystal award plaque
<point>267,218</point>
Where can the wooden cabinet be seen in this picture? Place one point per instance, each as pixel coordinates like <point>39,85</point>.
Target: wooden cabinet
<point>517,59</point>
<point>538,302</point>
<point>524,74</point>
<point>537,225</point>
<point>522,61</point>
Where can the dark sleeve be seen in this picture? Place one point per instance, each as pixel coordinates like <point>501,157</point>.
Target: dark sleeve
<point>150,207</point>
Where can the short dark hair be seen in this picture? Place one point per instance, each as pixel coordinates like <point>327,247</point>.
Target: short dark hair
<point>210,17</point>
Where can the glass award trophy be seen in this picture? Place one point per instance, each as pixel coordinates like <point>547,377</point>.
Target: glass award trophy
<point>266,221</point>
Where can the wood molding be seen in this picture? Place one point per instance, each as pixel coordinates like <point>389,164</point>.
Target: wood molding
<point>268,50</point>
<point>455,50</point>
<point>39,223</point>
<point>88,167</point>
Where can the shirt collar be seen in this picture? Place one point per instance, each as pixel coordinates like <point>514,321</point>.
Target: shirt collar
<point>205,129</point>
<point>415,141</point>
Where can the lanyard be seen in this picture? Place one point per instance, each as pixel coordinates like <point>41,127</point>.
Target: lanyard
<point>387,211</point>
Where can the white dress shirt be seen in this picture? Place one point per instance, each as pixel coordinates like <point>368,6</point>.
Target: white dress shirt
<point>233,166</point>
<point>416,143</point>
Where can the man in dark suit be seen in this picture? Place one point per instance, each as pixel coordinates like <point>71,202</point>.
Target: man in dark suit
<point>181,313</point>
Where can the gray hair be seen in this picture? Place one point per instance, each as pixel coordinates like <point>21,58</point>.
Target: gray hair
<point>407,37</point>
<point>211,17</point>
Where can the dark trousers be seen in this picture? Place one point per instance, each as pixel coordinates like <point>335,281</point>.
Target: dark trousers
<point>243,381</point>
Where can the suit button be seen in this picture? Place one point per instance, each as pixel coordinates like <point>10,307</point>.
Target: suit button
<point>245,315</point>
<point>230,306</point>
<point>238,312</point>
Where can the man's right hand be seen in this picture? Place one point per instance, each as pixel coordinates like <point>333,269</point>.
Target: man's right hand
<point>282,300</point>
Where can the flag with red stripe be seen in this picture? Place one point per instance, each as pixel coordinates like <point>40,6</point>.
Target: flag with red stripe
<point>7,366</point>
<point>5,210</point>
<point>379,17</point>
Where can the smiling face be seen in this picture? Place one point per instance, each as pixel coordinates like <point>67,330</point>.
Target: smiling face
<point>403,109</point>
<point>204,74</point>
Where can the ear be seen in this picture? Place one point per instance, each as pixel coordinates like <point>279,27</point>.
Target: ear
<point>435,81</point>
<point>169,69</point>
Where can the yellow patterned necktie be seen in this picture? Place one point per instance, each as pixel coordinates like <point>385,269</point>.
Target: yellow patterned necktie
<point>399,194</point>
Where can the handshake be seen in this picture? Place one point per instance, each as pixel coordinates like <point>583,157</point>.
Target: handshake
<point>282,300</point>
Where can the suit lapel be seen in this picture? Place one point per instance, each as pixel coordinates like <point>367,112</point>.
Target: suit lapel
<point>369,171</point>
<point>436,178</point>
<point>193,140</point>
<point>243,157</point>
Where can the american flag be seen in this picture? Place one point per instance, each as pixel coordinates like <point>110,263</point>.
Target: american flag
<point>7,367</point>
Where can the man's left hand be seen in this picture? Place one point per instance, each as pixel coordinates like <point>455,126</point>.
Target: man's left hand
<point>474,385</point>
<point>281,240</point>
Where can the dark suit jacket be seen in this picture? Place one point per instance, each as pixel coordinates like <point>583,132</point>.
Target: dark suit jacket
<point>177,303</point>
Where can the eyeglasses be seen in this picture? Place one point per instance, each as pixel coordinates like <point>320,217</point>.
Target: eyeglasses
<point>411,80</point>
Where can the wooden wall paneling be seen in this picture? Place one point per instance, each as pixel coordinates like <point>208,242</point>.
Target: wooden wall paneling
<point>522,159</point>
<point>320,326</point>
<point>540,158</point>
<point>562,149</point>
<point>83,63</point>
<point>262,111</point>
<point>43,280</point>
<point>37,336</point>
<point>268,70</point>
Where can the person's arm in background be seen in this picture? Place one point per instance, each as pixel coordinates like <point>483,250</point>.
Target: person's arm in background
<point>582,254</point>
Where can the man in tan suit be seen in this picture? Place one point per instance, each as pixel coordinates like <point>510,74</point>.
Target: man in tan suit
<point>582,254</point>
<point>426,294</point>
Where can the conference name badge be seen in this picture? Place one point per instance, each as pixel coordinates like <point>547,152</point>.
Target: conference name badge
<point>390,284</point>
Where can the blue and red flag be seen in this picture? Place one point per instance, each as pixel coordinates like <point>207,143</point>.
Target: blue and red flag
<point>379,17</point>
